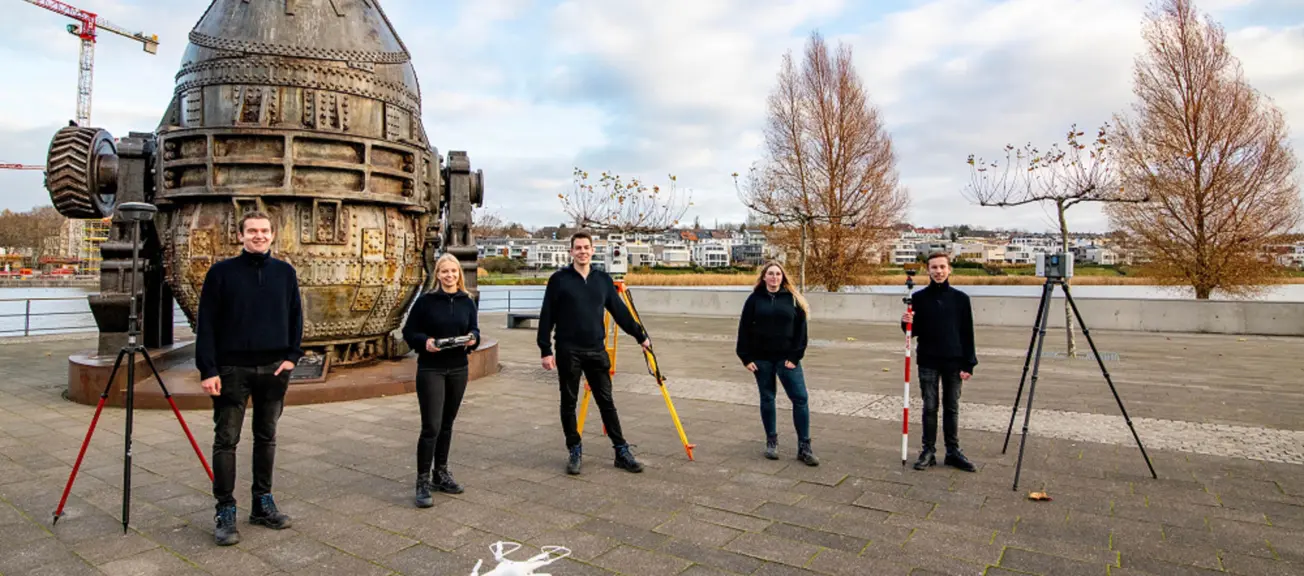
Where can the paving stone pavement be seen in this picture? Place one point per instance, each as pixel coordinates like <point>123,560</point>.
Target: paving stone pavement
<point>345,470</point>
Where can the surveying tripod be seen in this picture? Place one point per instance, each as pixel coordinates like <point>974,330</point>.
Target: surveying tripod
<point>612,331</point>
<point>1039,338</point>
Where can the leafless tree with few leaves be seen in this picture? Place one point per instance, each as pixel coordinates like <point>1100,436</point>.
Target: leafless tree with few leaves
<point>1214,154</point>
<point>615,205</point>
<point>827,184</point>
<point>486,223</point>
<point>1082,171</point>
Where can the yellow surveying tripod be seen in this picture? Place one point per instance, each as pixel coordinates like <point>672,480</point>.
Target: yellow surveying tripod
<point>649,357</point>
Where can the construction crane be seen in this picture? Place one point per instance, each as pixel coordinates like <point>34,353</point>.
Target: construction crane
<point>4,166</point>
<point>88,26</point>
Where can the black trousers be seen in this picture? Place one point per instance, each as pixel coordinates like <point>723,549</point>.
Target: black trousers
<point>950,383</point>
<point>595,366</point>
<point>439,392</point>
<point>239,385</point>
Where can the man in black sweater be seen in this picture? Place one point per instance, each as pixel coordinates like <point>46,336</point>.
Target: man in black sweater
<point>573,303</point>
<point>943,322</point>
<point>250,330</point>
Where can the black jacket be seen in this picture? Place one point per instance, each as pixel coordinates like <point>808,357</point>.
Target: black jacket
<point>440,314</point>
<point>944,325</point>
<point>574,305</point>
<point>772,327</point>
<point>250,314</point>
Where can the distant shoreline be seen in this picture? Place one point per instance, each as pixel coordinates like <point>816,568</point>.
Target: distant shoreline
<point>716,279</point>
<point>44,282</point>
<point>745,279</point>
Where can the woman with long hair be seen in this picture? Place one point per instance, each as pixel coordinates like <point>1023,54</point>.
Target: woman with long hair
<point>771,344</point>
<point>445,312</point>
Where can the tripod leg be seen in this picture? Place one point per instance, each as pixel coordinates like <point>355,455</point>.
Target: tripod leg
<point>1110,381</point>
<point>584,409</point>
<point>674,414</point>
<point>1032,384</point>
<point>173,403</point>
<point>89,431</point>
<point>126,445</point>
<point>652,366</point>
<point>1041,309</point>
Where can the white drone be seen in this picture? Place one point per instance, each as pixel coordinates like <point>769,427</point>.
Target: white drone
<point>508,567</point>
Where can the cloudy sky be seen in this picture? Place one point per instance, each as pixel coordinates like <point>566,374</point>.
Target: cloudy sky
<point>532,89</point>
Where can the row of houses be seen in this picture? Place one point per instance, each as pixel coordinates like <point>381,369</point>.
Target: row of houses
<point>673,249</point>
<point>720,249</point>
<point>747,247</point>
<point>918,243</point>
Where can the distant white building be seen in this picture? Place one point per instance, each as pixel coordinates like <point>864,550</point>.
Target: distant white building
<point>711,255</point>
<point>1015,254</point>
<point>641,255</point>
<point>1294,256</point>
<point>674,254</point>
<point>903,252</point>
<point>923,249</point>
<point>978,252</point>
<point>1095,255</point>
<point>547,255</point>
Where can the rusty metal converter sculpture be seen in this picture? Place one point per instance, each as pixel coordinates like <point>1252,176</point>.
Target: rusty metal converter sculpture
<point>310,111</point>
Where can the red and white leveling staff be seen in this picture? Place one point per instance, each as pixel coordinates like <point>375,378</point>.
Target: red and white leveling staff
<point>905,394</point>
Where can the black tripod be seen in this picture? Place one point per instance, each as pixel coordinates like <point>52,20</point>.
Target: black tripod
<point>1039,338</point>
<point>136,212</point>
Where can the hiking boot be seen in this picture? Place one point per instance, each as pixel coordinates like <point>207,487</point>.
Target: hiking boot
<point>265,514</point>
<point>424,498</point>
<point>772,447</point>
<point>625,459</point>
<point>957,460</point>
<point>805,454</point>
<point>445,481</point>
<point>926,458</point>
<point>226,533</point>
<point>573,464</point>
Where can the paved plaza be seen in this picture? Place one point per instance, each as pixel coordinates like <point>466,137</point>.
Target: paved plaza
<point>1220,417</point>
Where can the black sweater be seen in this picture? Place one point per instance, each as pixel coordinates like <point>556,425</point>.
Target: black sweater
<point>944,325</point>
<point>574,305</point>
<point>772,327</point>
<point>250,314</point>
<point>440,314</point>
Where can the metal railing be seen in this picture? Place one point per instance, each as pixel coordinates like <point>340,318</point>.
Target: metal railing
<point>43,315</point>
<point>529,300</point>
<point>28,314</point>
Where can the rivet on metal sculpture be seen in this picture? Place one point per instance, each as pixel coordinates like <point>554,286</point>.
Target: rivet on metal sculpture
<point>508,567</point>
<point>311,113</point>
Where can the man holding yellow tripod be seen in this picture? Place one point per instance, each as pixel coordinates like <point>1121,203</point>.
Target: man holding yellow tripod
<point>574,304</point>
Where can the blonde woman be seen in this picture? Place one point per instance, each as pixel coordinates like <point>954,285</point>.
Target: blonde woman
<point>771,343</point>
<point>445,312</point>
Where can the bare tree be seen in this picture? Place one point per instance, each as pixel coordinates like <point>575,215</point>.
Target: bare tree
<point>1082,172</point>
<point>827,184</point>
<point>487,223</point>
<point>29,231</point>
<point>614,205</point>
<point>1214,155</point>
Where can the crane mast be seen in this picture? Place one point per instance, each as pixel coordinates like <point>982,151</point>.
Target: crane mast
<point>87,29</point>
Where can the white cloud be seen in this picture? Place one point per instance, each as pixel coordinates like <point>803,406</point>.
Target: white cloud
<point>532,89</point>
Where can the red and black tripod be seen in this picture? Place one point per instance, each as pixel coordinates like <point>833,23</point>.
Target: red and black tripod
<point>136,212</point>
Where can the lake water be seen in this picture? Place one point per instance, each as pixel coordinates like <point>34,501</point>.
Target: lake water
<point>58,310</point>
